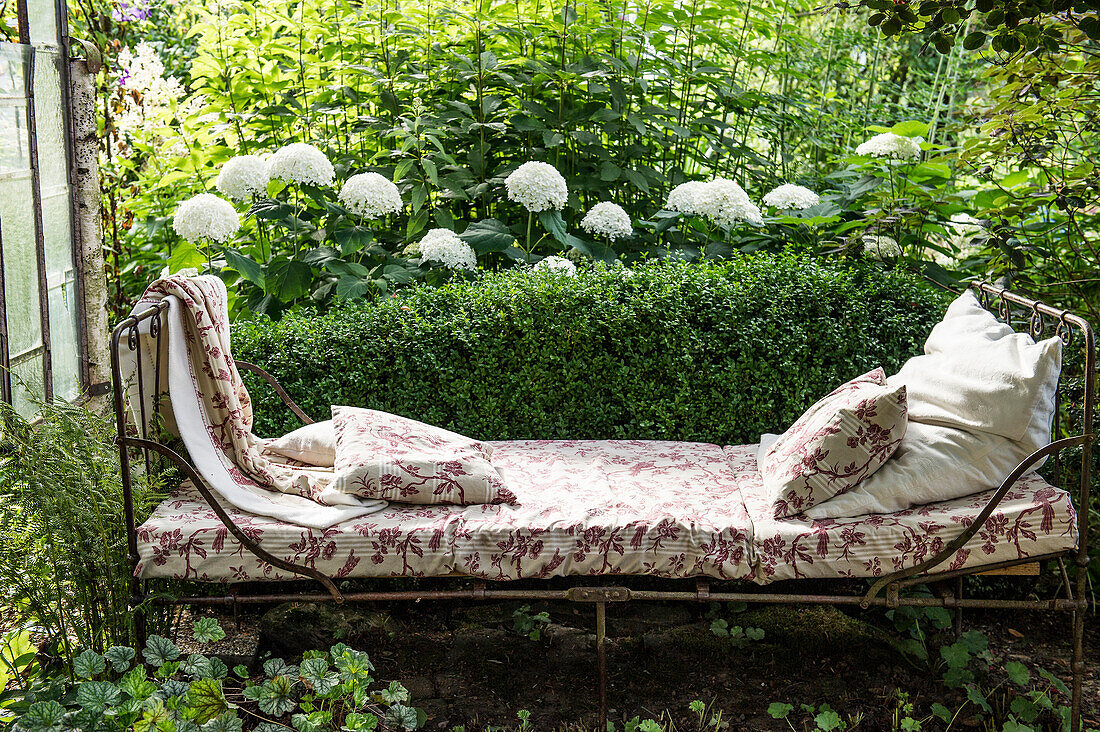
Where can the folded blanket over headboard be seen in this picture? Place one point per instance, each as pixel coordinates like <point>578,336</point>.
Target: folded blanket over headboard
<point>210,409</point>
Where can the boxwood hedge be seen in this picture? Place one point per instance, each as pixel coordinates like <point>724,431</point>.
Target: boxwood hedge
<point>715,352</point>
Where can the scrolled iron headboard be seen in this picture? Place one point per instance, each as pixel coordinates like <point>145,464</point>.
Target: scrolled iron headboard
<point>1039,319</point>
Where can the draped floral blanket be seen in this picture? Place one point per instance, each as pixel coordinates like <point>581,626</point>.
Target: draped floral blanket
<point>210,409</point>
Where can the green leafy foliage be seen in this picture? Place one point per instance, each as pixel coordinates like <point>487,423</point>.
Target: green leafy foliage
<point>329,691</point>
<point>717,353</point>
<point>761,92</point>
<point>63,532</point>
<point>207,630</point>
<point>529,624</point>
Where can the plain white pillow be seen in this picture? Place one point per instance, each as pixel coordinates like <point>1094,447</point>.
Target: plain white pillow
<point>314,444</point>
<point>933,463</point>
<point>998,386</point>
<point>965,321</point>
<point>953,446</point>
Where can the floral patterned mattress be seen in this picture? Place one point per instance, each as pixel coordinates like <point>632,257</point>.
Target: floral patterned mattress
<point>670,509</point>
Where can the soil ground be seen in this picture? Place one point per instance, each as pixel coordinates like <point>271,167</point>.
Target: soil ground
<point>467,665</point>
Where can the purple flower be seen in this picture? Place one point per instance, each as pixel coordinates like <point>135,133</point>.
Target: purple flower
<point>130,12</point>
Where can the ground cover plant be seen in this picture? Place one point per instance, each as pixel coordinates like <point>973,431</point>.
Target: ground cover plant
<point>63,566</point>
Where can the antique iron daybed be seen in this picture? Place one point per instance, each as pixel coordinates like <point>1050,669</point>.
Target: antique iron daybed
<point>599,528</point>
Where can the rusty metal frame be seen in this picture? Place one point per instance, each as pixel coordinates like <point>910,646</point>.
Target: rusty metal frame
<point>886,591</point>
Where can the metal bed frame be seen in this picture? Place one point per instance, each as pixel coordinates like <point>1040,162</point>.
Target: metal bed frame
<point>1020,312</point>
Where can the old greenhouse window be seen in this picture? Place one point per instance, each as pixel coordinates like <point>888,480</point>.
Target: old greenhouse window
<point>40,318</point>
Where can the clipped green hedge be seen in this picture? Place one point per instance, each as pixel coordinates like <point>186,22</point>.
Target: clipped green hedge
<point>716,352</point>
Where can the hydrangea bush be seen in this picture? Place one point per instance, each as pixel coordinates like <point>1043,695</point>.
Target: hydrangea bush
<point>321,232</point>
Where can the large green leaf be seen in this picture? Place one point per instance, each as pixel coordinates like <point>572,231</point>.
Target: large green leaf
<point>207,630</point>
<point>248,268</point>
<point>89,664</point>
<point>288,279</point>
<point>206,700</point>
<point>120,657</point>
<point>911,128</point>
<point>315,672</point>
<point>185,256</point>
<point>553,223</point>
<point>274,697</point>
<point>159,651</point>
<point>271,210</point>
<point>96,696</point>
<point>487,235</point>
<point>44,716</point>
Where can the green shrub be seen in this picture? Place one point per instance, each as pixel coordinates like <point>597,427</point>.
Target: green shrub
<point>715,352</point>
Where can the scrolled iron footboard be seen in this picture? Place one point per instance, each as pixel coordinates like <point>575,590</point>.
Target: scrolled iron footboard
<point>1037,319</point>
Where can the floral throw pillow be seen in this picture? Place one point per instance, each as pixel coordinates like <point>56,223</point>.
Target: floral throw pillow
<point>837,443</point>
<point>382,455</point>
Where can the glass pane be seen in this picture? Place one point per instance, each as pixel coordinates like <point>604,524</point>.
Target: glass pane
<point>26,385</point>
<point>14,151</point>
<point>43,17</point>
<point>61,285</point>
<point>20,265</point>
<point>13,59</point>
<point>49,122</point>
<point>21,292</point>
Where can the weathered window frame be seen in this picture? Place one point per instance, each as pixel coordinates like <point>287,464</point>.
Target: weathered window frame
<point>31,49</point>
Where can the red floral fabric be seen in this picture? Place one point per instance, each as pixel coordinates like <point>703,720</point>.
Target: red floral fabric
<point>1034,518</point>
<point>835,444</point>
<point>383,455</point>
<point>600,508</point>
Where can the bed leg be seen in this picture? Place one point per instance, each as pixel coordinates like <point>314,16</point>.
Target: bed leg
<point>601,660</point>
<point>958,610</point>
<point>1078,669</point>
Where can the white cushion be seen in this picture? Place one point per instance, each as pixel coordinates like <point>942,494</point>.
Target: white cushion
<point>314,444</point>
<point>990,386</point>
<point>934,463</point>
<point>981,400</point>
<point>964,321</point>
<point>967,320</point>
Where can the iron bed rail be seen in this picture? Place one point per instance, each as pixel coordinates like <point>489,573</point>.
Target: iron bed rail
<point>1039,319</point>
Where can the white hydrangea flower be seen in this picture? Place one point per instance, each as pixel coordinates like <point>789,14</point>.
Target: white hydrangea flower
<point>537,187</point>
<point>725,203</point>
<point>687,198</point>
<point>243,177</point>
<point>371,195</point>
<point>444,246</point>
<point>881,247</point>
<point>889,145</point>
<point>555,263</point>
<point>300,162</point>
<point>789,197</point>
<point>607,219</point>
<point>206,216</point>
